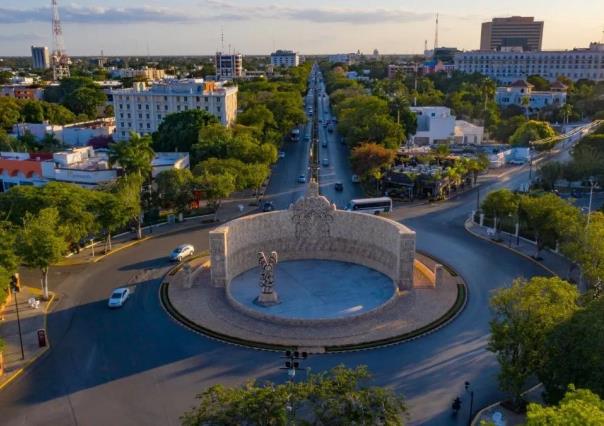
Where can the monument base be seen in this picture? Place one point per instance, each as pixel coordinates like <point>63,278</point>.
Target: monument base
<point>267,299</point>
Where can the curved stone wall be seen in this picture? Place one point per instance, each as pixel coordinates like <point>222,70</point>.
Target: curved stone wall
<point>314,230</point>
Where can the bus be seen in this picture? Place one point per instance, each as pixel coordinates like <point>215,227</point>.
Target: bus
<point>371,205</point>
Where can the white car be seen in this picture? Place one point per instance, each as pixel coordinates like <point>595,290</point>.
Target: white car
<point>301,179</point>
<point>355,179</point>
<point>281,154</point>
<point>118,297</point>
<point>182,251</point>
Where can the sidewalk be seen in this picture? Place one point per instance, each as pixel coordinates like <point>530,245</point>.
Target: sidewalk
<point>32,320</point>
<point>555,263</point>
<point>236,206</point>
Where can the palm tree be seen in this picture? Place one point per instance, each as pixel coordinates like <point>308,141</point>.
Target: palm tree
<point>134,157</point>
<point>566,110</point>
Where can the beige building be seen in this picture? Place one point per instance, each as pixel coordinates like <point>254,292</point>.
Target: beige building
<point>515,31</point>
<point>142,109</point>
<point>147,73</point>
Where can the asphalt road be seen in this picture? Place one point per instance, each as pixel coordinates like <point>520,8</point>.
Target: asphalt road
<point>135,366</point>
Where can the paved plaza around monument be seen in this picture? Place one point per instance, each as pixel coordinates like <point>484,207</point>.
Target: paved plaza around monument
<point>315,289</point>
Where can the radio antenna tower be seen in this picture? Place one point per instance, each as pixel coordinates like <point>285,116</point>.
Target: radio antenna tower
<point>436,34</point>
<point>60,60</point>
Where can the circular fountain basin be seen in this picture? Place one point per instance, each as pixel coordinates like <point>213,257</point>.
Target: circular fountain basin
<point>316,289</point>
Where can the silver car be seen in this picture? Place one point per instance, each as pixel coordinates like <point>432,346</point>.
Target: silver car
<point>182,251</point>
<point>118,297</point>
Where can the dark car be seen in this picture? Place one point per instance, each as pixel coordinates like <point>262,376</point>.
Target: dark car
<point>339,186</point>
<point>268,206</point>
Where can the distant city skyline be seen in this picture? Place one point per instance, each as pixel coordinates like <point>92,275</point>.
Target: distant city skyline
<point>179,27</point>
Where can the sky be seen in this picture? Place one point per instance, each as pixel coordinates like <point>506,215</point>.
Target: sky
<point>194,27</point>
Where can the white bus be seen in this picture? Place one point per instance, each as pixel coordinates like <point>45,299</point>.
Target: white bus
<point>371,205</point>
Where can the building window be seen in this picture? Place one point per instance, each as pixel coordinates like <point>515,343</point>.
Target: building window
<point>127,106</point>
<point>206,99</point>
<point>129,116</point>
<point>148,116</point>
<point>140,116</point>
<point>165,98</point>
<point>198,99</point>
<point>159,116</point>
<point>147,106</point>
<point>166,107</point>
<point>140,106</point>
<point>148,126</point>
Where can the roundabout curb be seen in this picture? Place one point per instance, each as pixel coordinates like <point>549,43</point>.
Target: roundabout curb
<point>452,313</point>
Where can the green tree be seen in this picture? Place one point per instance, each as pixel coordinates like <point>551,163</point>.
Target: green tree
<point>574,353</point>
<point>579,407</point>
<point>10,144</point>
<point>524,314</point>
<point>85,100</point>
<point>549,173</point>
<point>500,204</point>
<point>128,191</point>
<point>175,189</point>
<point>9,261</point>
<point>113,210</point>
<point>532,131</point>
<point>32,112</point>
<point>216,187</point>
<point>10,112</point>
<point>338,397</point>
<point>134,156</point>
<point>42,242</point>
<point>180,131</point>
<point>539,82</point>
<point>549,218</point>
<point>80,94</point>
<point>587,249</point>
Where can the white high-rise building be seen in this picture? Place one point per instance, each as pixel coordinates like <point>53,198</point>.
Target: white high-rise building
<point>142,109</point>
<point>285,58</point>
<point>515,64</point>
<point>40,57</point>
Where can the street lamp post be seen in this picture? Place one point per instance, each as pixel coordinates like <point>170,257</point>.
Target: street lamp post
<point>471,392</point>
<point>15,287</point>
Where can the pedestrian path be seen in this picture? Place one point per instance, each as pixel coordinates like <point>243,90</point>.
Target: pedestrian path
<point>32,312</point>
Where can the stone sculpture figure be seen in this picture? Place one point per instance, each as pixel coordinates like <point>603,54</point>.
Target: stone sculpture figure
<point>268,295</point>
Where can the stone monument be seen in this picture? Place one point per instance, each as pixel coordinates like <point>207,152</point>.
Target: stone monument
<point>268,296</point>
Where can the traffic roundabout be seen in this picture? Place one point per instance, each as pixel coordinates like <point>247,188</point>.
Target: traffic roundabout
<point>334,281</point>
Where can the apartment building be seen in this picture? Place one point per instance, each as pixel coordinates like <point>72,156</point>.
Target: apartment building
<point>18,91</point>
<point>228,66</point>
<point>515,31</point>
<point>285,59</point>
<point>142,109</point>
<point>515,94</point>
<point>514,64</point>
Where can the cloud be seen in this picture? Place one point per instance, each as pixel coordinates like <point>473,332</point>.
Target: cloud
<point>95,15</point>
<point>4,37</point>
<point>214,10</point>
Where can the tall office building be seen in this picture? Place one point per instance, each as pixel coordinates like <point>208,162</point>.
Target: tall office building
<point>229,66</point>
<point>515,31</point>
<point>40,57</point>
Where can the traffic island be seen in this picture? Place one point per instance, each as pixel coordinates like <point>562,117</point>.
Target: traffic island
<point>196,303</point>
